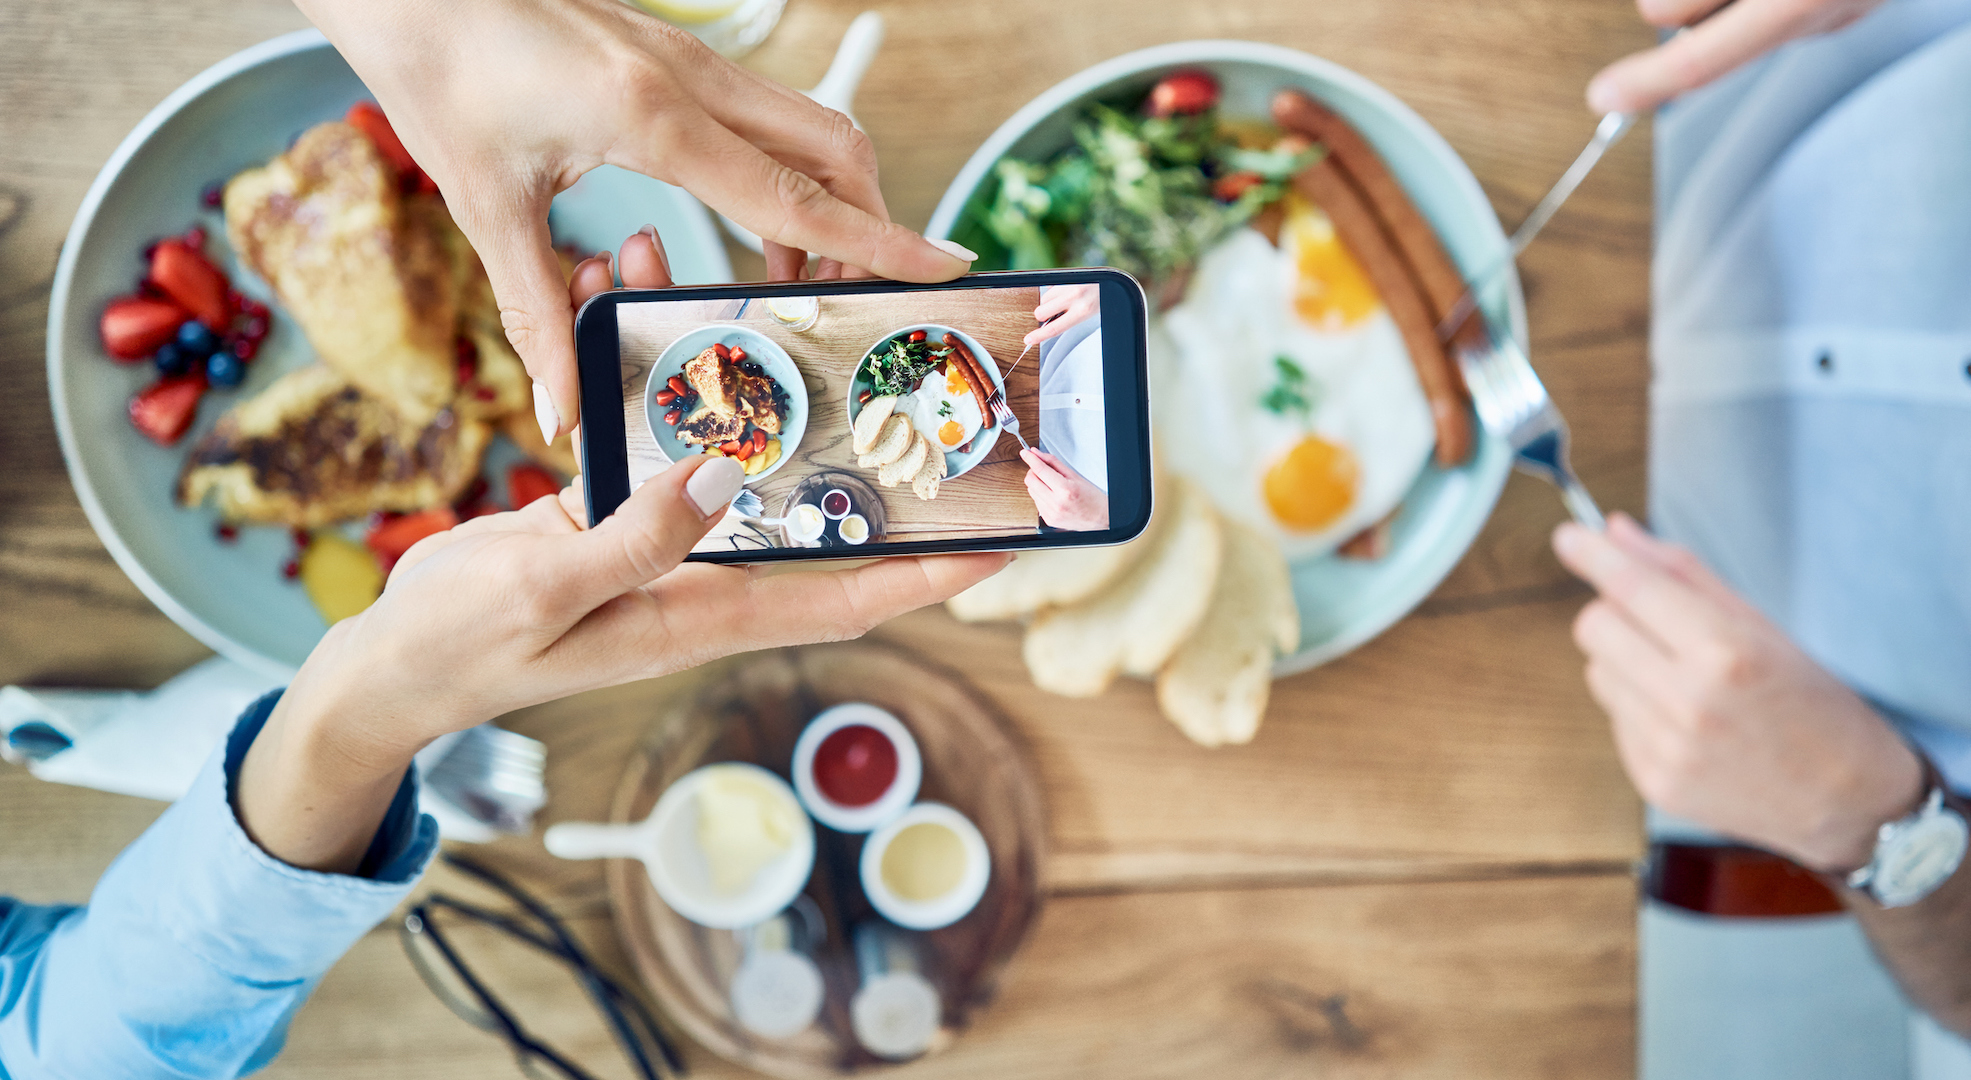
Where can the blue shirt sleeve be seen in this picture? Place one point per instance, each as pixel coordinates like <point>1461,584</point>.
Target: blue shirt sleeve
<point>196,947</point>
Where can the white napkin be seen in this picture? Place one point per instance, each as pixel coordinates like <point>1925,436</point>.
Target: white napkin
<point>153,744</point>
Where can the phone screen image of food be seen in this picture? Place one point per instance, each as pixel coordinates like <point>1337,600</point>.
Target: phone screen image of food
<point>868,418</point>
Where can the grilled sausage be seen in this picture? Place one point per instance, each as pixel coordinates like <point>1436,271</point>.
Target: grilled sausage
<point>974,375</point>
<point>1325,185</point>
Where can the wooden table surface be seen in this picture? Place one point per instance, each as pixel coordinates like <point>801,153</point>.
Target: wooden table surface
<point>1421,867</point>
<point>990,499</point>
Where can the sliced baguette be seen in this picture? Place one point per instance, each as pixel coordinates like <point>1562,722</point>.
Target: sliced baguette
<point>926,482</point>
<point>870,421</point>
<point>907,466</point>
<point>1037,580</point>
<point>1216,685</point>
<point>1135,623</point>
<point>893,443</point>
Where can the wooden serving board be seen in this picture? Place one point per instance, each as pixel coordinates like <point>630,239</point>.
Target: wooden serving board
<point>753,710</point>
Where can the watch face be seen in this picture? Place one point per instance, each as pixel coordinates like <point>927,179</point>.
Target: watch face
<point>1926,853</point>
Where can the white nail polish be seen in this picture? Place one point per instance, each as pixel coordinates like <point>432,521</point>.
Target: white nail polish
<point>550,420</point>
<point>714,485</point>
<point>955,249</point>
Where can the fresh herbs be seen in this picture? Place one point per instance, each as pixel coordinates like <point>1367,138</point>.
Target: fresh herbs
<point>1145,194</point>
<point>944,408</point>
<point>1293,393</point>
<point>897,367</point>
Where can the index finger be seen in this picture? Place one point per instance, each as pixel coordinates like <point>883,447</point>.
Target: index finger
<point>1734,35</point>
<point>1660,602</point>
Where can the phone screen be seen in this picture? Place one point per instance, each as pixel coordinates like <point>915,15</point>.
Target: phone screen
<point>877,416</point>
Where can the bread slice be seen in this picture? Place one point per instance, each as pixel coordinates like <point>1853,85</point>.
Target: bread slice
<point>907,466</point>
<point>1037,580</point>
<point>1215,686</point>
<point>893,443</point>
<point>1134,624</point>
<point>869,423</point>
<point>926,482</point>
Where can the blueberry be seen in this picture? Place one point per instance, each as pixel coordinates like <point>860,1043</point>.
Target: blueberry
<point>171,359</point>
<point>196,340</point>
<point>224,369</point>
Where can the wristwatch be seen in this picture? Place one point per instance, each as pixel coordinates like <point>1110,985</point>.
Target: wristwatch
<point>1916,853</point>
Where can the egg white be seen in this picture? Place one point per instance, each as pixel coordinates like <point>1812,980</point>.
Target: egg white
<point>1214,362</point>
<point>922,406</point>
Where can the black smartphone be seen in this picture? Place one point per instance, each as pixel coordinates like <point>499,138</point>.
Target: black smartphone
<point>879,417</point>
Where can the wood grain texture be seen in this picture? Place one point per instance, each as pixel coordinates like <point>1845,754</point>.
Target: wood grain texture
<point>1187,935</point>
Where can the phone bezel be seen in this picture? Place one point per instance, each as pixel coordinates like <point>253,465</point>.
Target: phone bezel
<point>1125,385</point>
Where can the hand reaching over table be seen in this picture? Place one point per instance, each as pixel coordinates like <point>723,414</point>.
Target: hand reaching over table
<point>513,609</point>
<point>1065,498</point>
<point>1732,34</point>
<point>1719,717</point>
<point>507,102</point>
<point>1061,307</point>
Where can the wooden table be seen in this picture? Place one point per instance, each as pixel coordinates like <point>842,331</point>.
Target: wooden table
<point>990,499</point>
<point>1420,868</point>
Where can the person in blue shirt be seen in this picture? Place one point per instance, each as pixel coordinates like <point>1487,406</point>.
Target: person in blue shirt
<point>1790,665</point>
<point>1068,472</point>
<point>207,933</point>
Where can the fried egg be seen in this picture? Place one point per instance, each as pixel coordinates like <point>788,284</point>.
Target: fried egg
<point>1285,388</point>
<point>943,410</point>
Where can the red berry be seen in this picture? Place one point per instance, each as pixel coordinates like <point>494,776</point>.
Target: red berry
<point>213,195</point>
<point>483,393</point>
<point>195,238</point>
<point>526,483</point>
<point>163,411</point>
<point>194,283</point>
<point>255,328</point>
<point>394,537</point>
<point>1183,93</point>
<point>245,348</point>
<point>367,118</point>
<point>291,569</point>
<point>227,531</point>
<point>135,326</point>
<point>301,537</point>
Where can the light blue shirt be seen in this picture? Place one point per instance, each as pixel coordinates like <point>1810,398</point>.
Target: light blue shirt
<point>1073,424</point>
<point>196,947</point>
<point>1811,351</point>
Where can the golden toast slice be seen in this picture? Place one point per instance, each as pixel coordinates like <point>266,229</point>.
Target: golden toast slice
<point>1216,685</point>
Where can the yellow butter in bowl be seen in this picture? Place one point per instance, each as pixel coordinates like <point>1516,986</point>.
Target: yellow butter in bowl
<point>743,825</point>
<point>924,862</point>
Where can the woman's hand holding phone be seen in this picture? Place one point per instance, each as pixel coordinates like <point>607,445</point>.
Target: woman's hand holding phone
<point>514,609</point>
<point>505,103</point>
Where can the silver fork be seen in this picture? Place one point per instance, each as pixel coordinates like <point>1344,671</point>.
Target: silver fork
<point>1002,411</point>
<point>1513,404</point>
<point>494,776</point>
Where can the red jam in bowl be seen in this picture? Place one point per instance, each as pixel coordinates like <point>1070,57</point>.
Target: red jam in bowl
<point>855,765</point>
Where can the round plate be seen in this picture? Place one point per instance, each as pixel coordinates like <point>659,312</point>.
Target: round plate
<point>753,709</point>
<point>955,464</point>
<point>239,113</point>
<point>1343,602</point>
<point>773,359</point>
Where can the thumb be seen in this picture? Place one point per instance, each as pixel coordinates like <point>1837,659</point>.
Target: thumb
<point>518,253</point>
<point>652,531</point>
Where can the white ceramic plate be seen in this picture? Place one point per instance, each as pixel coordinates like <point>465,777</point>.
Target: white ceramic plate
<point>1343,602</point>
<point>957,464</point>
<point>773,360</point>
<point>238,113</point>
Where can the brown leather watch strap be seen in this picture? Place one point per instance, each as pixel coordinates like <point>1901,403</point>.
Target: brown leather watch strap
<point>1736,881</point>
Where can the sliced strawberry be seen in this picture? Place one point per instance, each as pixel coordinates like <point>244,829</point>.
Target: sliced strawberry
<point>135,326</point>
<point>390,539</point>
<point>1183,93</point>
<point>164,410</point>
<point>526,483</point>
<point>367,118</point>
<point>197,285</point>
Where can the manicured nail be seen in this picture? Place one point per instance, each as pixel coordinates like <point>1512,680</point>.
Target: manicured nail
<point>955,249</point>
<point>714,485</point>
<point>1567,539</point>
<point>550,420</point>
<point>657,245</point>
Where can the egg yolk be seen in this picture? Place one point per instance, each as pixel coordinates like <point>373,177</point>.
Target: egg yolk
<point>1313,485</point>
<point>1331,290</point>
<point>951,433</point>
<point>954,381</point>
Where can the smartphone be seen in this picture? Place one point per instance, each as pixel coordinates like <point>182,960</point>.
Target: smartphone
<point>879,417</point>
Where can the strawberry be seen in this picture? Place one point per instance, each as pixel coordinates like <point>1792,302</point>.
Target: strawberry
<point>526,483</point>
<point>367,118</point>
<point>389,539</point>
<point>164,410</point>
<point>197,285</point>
<point>134,326</point>
<point>1183,93</point>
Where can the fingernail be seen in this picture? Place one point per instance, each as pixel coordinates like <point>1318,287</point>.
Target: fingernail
<point>1602,95</point>
<point>714,485</point>
<point>657,245</point>
<point>550,420</point>
<point>1567,538</point>
<point>955,249</point>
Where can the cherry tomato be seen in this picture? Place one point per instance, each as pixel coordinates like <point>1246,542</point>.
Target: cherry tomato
<point>1183,93</point>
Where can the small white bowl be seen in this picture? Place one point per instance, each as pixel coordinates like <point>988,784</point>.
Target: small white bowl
<point>903,790</point>
<point>667,844</point>
<point>946,909</point>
